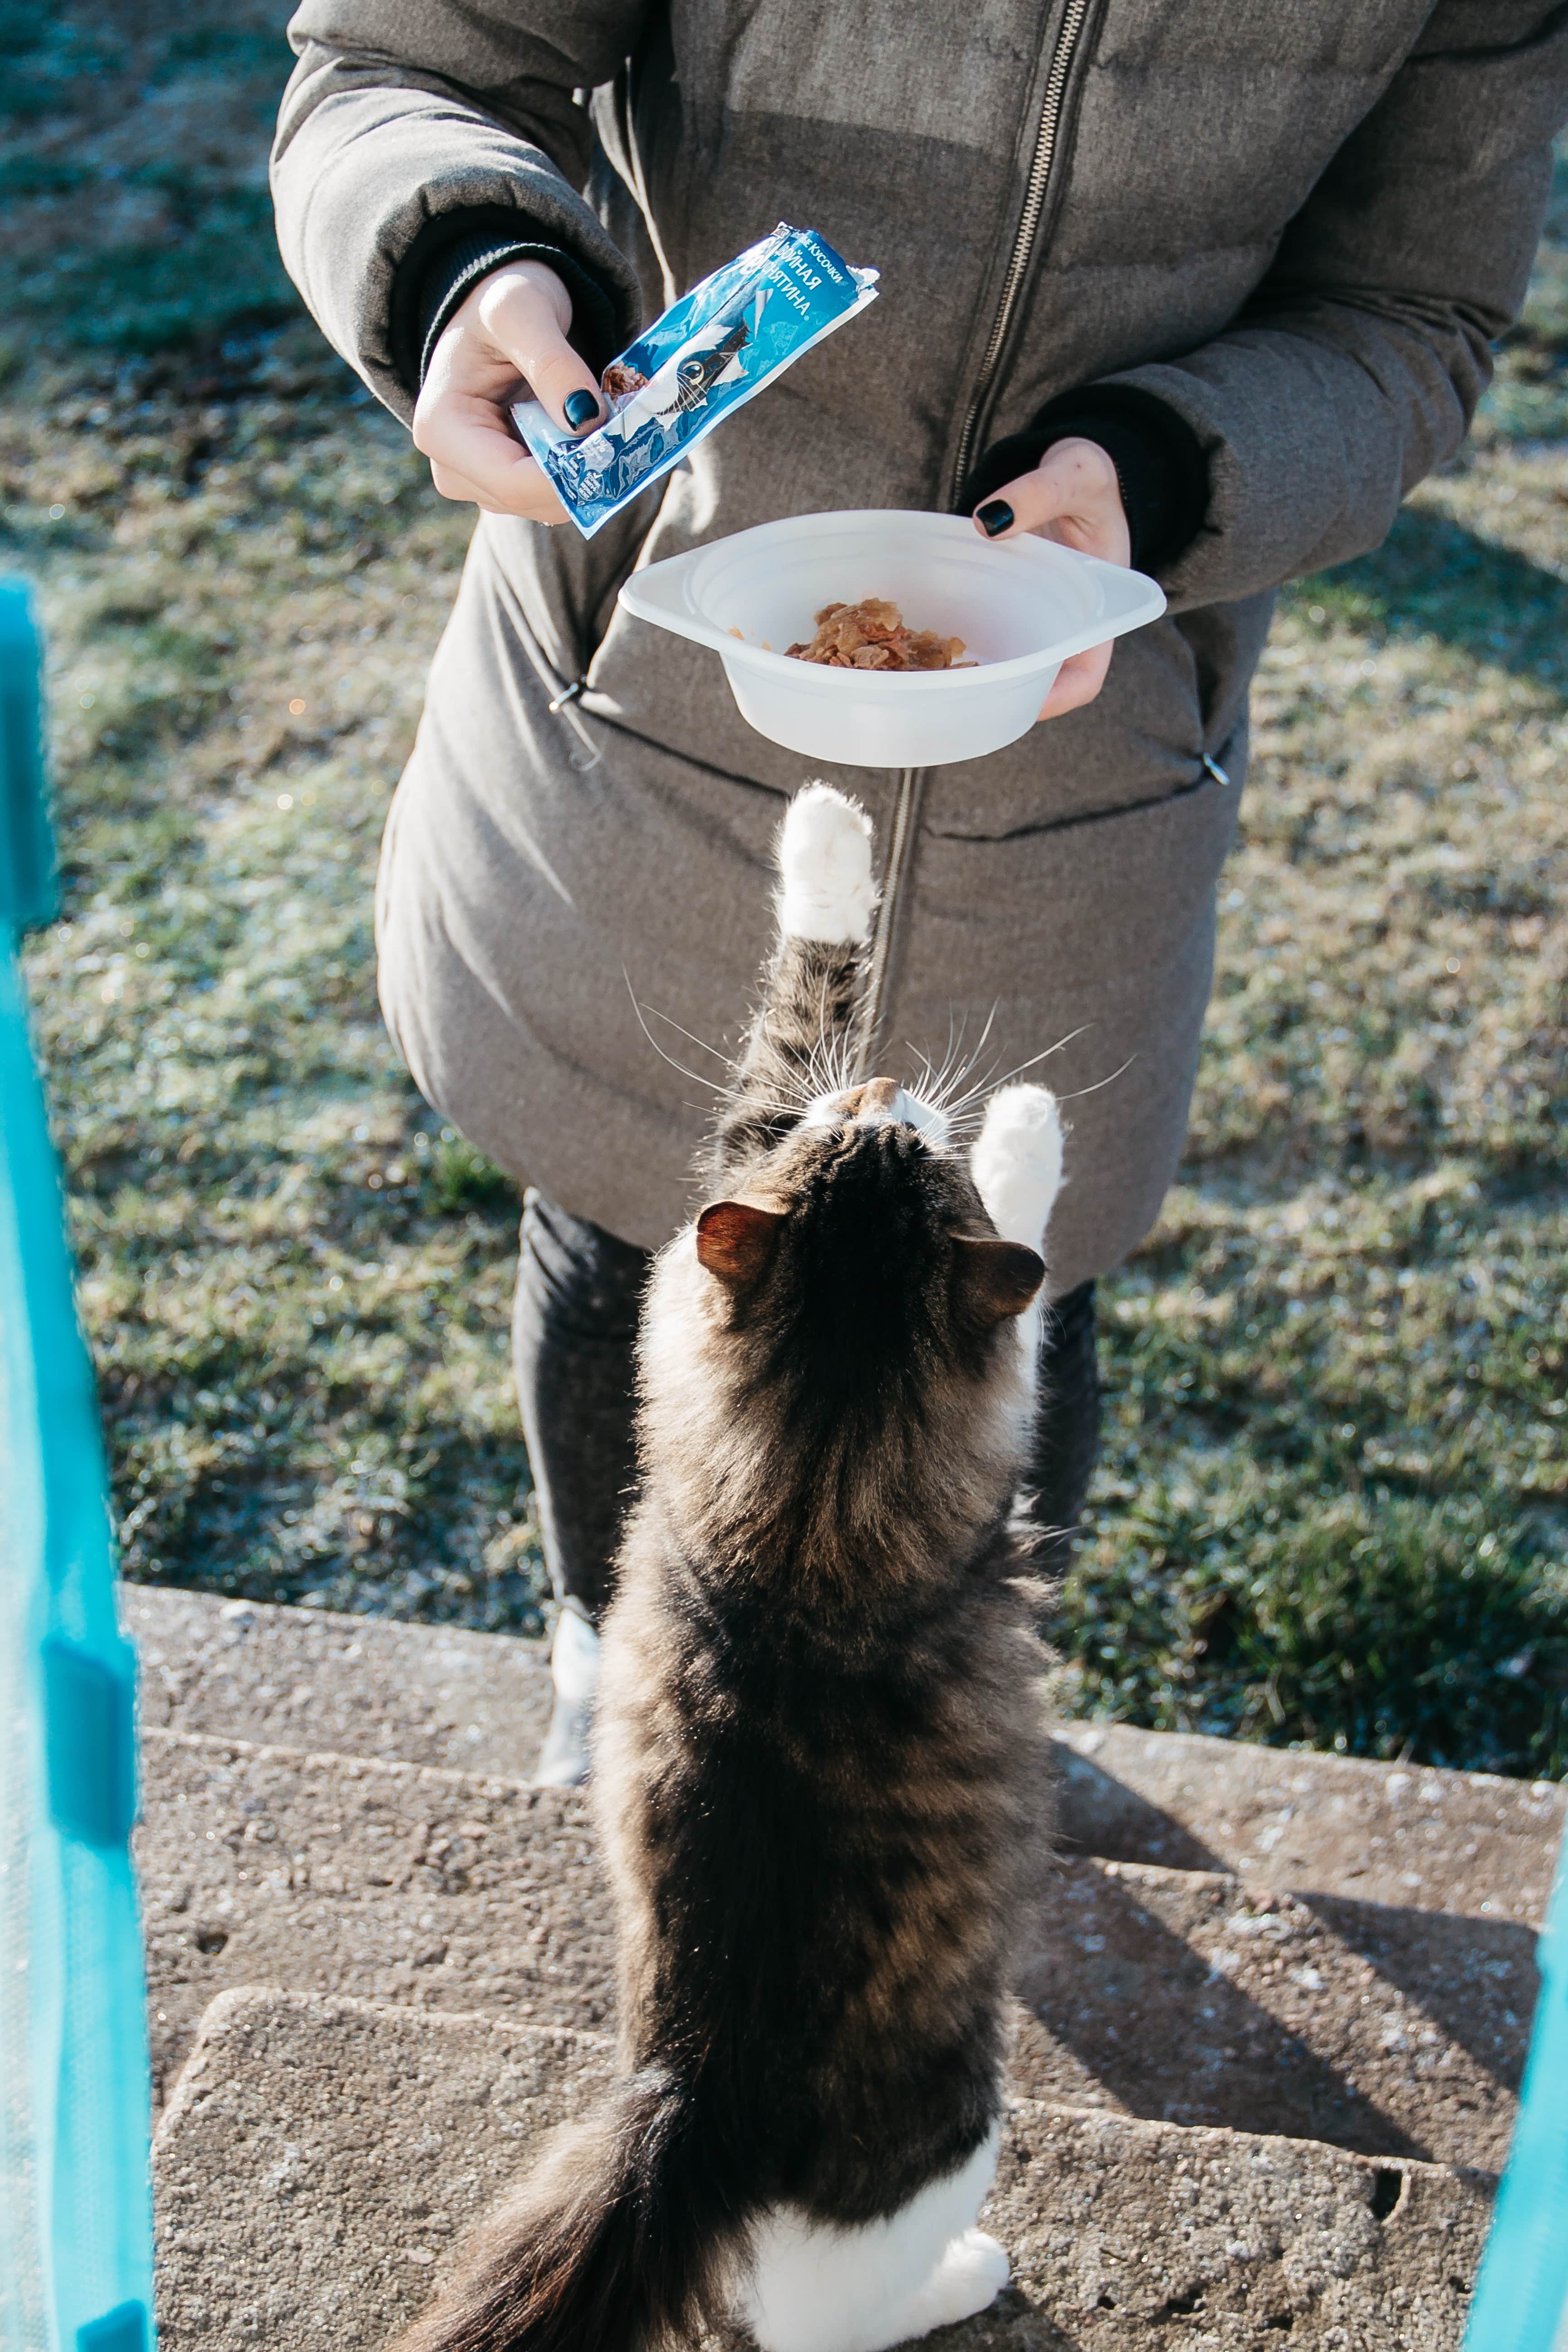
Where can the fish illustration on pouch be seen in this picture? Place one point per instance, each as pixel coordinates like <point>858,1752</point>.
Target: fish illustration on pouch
<point>710,353</point>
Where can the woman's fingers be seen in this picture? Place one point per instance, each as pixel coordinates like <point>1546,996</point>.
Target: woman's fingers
<point>1078,681</point>
<point>535,502</point>
<point>1072,495</point>
<point>524,312</point>
<point>474,455</point>
<point>507,341</point>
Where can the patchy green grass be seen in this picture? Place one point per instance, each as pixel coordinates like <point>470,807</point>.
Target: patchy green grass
<point>296,1281</point>
<point>1334,1508</point>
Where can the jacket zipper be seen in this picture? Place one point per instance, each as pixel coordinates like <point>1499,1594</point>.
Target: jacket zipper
<point>1028,227</point>
<point>900,856</point>
<point>912,781</point>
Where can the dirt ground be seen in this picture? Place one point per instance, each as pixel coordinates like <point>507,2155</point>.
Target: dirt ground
<point>1333,1505</point>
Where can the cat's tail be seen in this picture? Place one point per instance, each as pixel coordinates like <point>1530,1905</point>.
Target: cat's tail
<point>624,2238</point>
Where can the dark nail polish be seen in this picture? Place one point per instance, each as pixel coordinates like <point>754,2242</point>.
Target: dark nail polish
<point>581,408</point>
<point>993,516</point>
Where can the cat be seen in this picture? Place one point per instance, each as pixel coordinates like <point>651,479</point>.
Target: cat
<point>820,1762</point>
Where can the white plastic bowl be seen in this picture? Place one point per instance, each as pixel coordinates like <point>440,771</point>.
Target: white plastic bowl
<point>1020,608</point>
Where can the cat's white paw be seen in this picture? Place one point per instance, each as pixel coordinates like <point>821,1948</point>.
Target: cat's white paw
<point>815,2287</point>
<point>824,858</point>
<point>972,2273</point>
<point>1016,1161</point>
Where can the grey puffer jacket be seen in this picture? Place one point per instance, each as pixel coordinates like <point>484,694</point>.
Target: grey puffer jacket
<point>1297,223</point>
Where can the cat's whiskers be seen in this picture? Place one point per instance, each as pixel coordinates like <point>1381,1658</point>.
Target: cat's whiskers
<point>715,1086</point>
<point>972,1118</point>
<point>930,1076</point>
<point>717,1052</point>
<point>789,1084</point>
<point>792,1112</point>
<point>1078,1094</point>
<point>990,1086</point>
<point>795,1104</point>
<point>958,1080</point>
<point>955,1066</point>
<point>828,1068</point>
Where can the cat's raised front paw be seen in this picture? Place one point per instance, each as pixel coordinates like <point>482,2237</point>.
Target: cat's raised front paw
<point>1016,1161</point>
<point>824,858</point>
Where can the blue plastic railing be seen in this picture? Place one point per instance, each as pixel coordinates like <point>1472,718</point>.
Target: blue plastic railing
<point>1522,2295</point>
<point>75,2215</point>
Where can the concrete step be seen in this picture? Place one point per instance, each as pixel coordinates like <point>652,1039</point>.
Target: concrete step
<point>322,2157</point>
<point>332,1873</point>
<point>1195,1997</point>
<point>1163,1994</point>
<point>1470,1843</point>
<point>1460,1842</point>
<point>355,1686</point>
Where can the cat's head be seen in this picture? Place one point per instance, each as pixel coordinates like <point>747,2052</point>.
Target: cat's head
<point>861,1242</point>
<point>843,1329</point>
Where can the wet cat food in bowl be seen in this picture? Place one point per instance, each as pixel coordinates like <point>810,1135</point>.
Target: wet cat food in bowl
<point>874,634</point>
<point>1020,609</point>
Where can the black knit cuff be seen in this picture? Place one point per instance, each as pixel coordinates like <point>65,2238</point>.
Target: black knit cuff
<point>446,261</point>
<point>1159,461</point>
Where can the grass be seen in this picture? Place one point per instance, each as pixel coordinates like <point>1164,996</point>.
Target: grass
<point>1334,1507</point>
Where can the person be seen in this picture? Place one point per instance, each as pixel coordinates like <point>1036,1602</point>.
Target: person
<point>1205,288</point>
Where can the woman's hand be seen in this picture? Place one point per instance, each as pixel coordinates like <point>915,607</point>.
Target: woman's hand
<point>1072,496</point>
<point>508,340</point>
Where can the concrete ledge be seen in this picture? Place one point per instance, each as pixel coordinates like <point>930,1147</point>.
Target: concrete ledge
<point>1463,1841</point>
<point>1190,1997</point>
<point>321,2158</point>
<point>1460,1842</point>
<point>1119,2230</point>
<point>393,1882</point>
<point>1178,1996</point>
<point>356,1686</point>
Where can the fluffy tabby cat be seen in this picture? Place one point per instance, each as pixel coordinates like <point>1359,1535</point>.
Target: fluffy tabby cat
<point>819,1763</point>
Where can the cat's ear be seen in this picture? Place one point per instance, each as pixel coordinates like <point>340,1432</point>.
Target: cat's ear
<point>735,1241</point>
<point>996,1277</point>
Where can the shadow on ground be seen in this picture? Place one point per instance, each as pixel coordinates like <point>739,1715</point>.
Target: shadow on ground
<point>1432,578</point>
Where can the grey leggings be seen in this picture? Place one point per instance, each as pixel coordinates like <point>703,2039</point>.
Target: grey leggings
<point>573,1330</point>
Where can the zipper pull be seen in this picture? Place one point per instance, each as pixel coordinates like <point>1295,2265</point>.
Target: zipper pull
<point>1216,771</point>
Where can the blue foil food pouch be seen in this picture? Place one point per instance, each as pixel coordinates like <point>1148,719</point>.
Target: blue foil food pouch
<point>717,347</point>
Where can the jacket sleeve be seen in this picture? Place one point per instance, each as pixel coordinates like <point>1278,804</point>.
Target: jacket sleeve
<point>1357,366</point>
<point>402,115</point>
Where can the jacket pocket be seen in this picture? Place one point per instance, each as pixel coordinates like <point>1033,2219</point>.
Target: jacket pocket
<point>1140,742</point>
<point>1071,907</point>
<point>565,586</point>
<point>1214,771</point>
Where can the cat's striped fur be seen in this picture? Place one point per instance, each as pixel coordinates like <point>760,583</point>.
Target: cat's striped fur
<point>819,1767</point>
